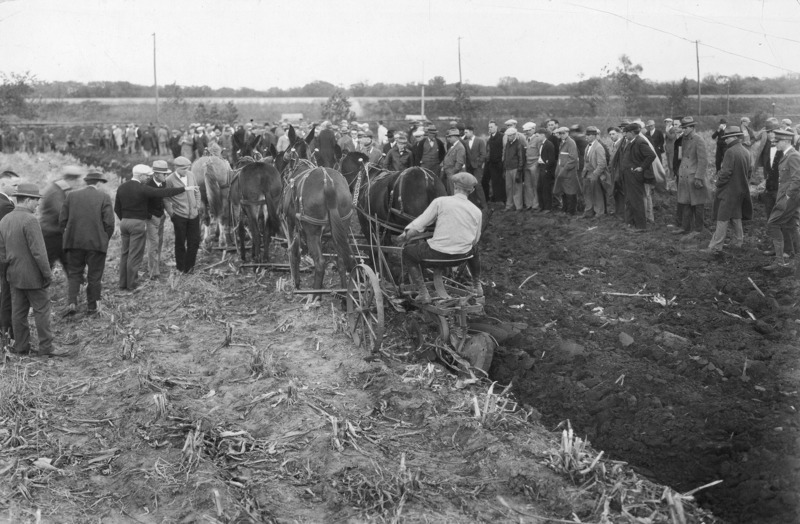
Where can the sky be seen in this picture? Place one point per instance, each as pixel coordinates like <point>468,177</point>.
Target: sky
<point>266,43</point>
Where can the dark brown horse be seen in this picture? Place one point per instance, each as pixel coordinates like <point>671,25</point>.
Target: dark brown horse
<point>316,199</point>
<point>255,195</point>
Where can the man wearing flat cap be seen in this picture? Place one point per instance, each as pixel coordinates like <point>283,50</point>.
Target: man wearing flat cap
<point>567,171</point>
<point>23,251</point>
<point>400,156</point>
<point>50,212</point>
<point>594,176</point>
<point>183,209</point>
<point>130,207</point>
<point>454,159</point>
<point>429,151</point>
<point>693,180</point>
<point>156,219</point>
<point>635,160</point>
<point>87,219</point>
<point>732,200</point>
<point>369,148</point>
<point>456,234</point>
<point>783,225</point>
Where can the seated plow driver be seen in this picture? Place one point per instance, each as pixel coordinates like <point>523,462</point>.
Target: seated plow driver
<point>456,234</point>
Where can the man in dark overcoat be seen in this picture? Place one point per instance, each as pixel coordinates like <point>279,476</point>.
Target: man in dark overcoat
<point>50,212</point>
<point>732,203</point>
<point>326,143</point>
<point>694,183</point>
<point>8,184</point>
<point>635,159</point>
<point>784,221</point>
<point>22,249</point>
<point>87,219</point>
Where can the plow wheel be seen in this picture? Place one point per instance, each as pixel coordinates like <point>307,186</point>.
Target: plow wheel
<point>365,308</point>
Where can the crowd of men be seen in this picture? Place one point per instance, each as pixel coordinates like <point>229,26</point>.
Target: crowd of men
<point>73,228</point>
<point>545,168</point>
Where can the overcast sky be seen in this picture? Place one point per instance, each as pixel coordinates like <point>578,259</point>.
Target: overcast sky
<point>260,44</point>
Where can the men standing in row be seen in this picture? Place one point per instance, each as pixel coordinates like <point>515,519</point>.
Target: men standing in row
<point>87,220</point>
<point>783,225</point>
<point>732,202</point>
<point>693,181</point>
<point>50,213</point>
<point>131,208</point>
<point>183,209</point>
<point>22,249</point>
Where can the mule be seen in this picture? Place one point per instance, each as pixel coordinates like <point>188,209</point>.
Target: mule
<point>213,174</point>
<point>255,195</point>
<point>314,200</point>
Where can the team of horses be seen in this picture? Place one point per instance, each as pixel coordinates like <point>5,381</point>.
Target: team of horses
<point>290,194</point>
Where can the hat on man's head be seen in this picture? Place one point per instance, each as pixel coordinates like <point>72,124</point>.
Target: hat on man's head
<point>780,134</point>
<point>27,190</point>
<point>8,174</point>
<point>72,172</point>
<point>623,124</point>
<point>419,132</point>
<point>400,136</point>
<point>390,133</point>
<point>510,131</point>
<point>142,170</point>
<point>95,175</point>
<point>464,180</point>
<point>368,133</point>
<point>511,122</point>
<point>631,128</point>
<point>591,130</point>
<point>745,119</point>
<point>668,119</point>
<point>562,129</point>
<point>528,126</point>
<point>786,122</point>
<point>431,129</point>
<point>770,126</point>
<point>453,132</point>
<point>181,161</point>
<point>732,131</point>
<point>688,121</point>
<point>723,121</point>
<point>576,128</point>
<point>161,166</point>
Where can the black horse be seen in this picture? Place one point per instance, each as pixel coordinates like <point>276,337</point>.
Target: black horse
<point>298,149</point>
<point>255,195</point>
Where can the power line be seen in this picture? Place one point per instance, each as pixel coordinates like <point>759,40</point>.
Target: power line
<point>761,33</point>
<point>682,37</point>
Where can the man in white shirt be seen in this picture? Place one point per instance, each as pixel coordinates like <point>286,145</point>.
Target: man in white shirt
<point>457,231</point>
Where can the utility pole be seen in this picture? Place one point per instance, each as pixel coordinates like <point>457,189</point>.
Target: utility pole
<point>459,60</point>
<point>697,54</point>
<point>155,78</point>
<point>422,99</point>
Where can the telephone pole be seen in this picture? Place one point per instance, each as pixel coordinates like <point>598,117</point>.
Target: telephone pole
<point>155,78</point>
<point>459,60</point>
<point>697,54</point>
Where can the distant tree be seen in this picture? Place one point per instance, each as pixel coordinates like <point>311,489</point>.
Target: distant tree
<point>229,113</point>
<point>678,97</point>
<point>436,86</point>
<point>16,90</point>
<point>629,84</point>
<point>337,107</point>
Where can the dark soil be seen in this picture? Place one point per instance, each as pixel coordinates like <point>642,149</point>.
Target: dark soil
<point>685,392</point>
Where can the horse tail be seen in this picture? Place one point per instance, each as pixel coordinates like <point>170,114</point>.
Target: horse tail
<point>273,220</point>
<point>339,230</point>
<point>213,193</point>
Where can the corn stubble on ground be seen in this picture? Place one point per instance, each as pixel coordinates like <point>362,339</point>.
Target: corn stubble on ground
<point>214,398</point>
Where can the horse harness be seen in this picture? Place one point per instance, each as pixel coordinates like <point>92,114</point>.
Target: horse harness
<point>295,185</point>
<point>244,161</point>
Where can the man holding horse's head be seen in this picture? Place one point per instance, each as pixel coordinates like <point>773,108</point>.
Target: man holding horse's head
<point>456,234</point>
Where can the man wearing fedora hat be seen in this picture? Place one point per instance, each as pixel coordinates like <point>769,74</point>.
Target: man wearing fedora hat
<point>400,156</point>
<point>156,219</point>
<point>693,180</point>
<point>50,212</point>
<point>22,249</point>
<point>732,201</point>
<point>454,159</point>
<point>429,151</point>
<point>87,219</point>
